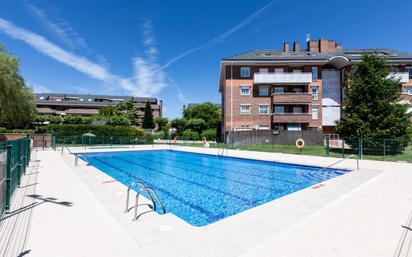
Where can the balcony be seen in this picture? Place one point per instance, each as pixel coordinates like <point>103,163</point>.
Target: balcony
<point>403,77</point>
<point>291,98</point>
<point>283,78</point>
<point>291,117</point>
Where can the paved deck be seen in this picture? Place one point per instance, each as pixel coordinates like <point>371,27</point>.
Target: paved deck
<point>77,213</point>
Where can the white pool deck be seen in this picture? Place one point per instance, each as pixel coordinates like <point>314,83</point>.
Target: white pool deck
<point>67,210</point>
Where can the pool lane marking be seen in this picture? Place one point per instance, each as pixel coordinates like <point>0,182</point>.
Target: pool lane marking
<point>253,201</point>
<point>308,174</point>
<point>211,215</point>
<point>219,177</point>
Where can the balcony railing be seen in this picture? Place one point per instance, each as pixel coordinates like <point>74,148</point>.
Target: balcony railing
<point>292,97</point>
<point>291,117</point>
<point>283,78</point>
<point>403,77</point>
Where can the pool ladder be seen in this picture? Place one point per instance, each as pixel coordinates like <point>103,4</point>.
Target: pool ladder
<point>221,152</point>
<point>150,192</point>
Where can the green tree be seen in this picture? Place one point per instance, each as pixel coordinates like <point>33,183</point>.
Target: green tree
<point>197,125</point>
<point>179,125</point>
<point>161,123</point>
<point>17,104</point>
<point>208,112</point>
<point>148,122</point>
<point>130,110</point>
<point>108,111</point>
<point>372,104</point>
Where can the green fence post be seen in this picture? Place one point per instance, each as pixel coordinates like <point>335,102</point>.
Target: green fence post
<point>19,169</point>
<point>343,148</point>
<point>24,157</point>
<point>8,176</point>
<point>384,149</point>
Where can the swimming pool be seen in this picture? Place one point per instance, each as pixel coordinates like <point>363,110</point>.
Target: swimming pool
<point>202,189</point>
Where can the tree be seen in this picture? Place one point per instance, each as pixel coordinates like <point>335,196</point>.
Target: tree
<point>372,104</point>
<point>179,125</point>
<point>148,122</point>
<point>130,110</point>
<point>197,125</point>
<point>161,123</point>
<point>208,112</point>
<point>17,104</point>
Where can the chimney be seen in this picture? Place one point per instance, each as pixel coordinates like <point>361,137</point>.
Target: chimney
<point>286,47</point>
<point>295,46</point>
<point>313,46</point>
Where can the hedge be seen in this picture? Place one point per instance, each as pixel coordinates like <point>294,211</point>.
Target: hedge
<point>98,130</point>
<point>209,134</point>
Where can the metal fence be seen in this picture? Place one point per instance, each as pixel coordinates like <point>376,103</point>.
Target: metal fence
<point>14,159</point>
<point>393,149</point>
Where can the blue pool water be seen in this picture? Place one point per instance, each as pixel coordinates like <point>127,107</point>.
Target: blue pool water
<point>202,189</point>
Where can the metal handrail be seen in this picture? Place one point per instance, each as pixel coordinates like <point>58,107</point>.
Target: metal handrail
<point>221,151</point>
<point>150,193</point>
<point>149,189</point>
<point>135,183</point>
<point>333,164</point>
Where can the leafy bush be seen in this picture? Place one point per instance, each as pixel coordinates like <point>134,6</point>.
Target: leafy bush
<point>118,121</point>
<point>158,135</point>
<point>98,130</point>
<point>2,130</point>
<point>209,134</point>
<point>189,134</point>
<point>21,131</point>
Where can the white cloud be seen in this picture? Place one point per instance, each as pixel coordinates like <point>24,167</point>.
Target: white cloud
<point>148,74</point>
<point>148,80</point>
<point>62,29</point>
<point>222,36</point>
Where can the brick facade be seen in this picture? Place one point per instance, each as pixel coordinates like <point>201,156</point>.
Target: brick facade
<point>293,100</point>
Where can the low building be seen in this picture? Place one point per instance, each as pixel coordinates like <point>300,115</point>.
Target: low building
<point>86,105</point>
<point>297,89</point>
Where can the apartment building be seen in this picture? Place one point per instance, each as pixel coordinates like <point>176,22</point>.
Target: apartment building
<point>86,105</point>
<point>296,89</point>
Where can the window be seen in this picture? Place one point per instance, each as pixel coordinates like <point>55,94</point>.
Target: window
<point>353,70</point>
<point>263,127</point>
<point>278,90</point>
<point>314,112</point>
<point>41,97</point>
<point>264,90</point>
<point>409,71</point>
<point>279,70</point>
<point>314,73</point>
<point>279,109</point>
<point>408,90</point>
<point>297,90</point>
<point>264,109</point>
<point>297,71</point>
<point>315,93</point>
<point>393,69</point>
<point>264,70</point>
<point>245,109</point>
<point>297,109</point>
<point>245,72</point>
<point>244,90</point>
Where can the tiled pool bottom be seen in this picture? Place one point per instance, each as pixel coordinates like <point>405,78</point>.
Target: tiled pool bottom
<point>202,189</point>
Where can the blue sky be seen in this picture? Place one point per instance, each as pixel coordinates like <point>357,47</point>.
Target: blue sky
<point>172,49</point>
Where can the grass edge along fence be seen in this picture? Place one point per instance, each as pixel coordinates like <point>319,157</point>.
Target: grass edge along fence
<point>14,159</point>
